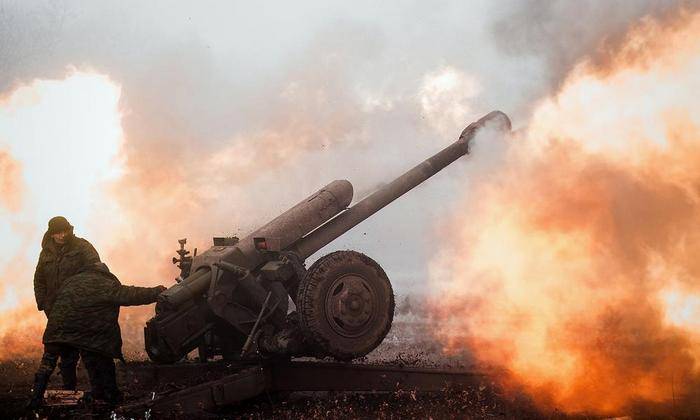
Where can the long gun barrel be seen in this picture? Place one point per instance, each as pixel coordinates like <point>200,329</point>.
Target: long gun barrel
<point>285,228</point>
<point>365,208</point>
<point>323,217</point>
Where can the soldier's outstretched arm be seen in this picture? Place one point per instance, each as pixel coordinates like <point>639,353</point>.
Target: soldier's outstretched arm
<point>134,295</point>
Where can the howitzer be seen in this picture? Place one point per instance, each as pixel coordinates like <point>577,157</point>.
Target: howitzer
<point>237,292</point>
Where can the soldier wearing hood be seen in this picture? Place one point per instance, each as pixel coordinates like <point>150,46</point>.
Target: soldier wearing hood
<point>85,316</point>
<point>62,255</point>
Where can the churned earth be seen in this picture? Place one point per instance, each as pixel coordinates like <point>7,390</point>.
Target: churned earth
<point>409,343</point>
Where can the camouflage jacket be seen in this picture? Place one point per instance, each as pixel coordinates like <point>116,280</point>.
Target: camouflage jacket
<point>57,264</point>
<point>86,311</point>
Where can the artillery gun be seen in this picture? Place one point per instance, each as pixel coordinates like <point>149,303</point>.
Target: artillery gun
<point>233,299</point>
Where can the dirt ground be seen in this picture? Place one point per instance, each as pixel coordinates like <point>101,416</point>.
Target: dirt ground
<point>408,344</point>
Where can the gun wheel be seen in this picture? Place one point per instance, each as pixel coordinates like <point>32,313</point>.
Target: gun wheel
<point>158,351</point>
<point>345,305</point>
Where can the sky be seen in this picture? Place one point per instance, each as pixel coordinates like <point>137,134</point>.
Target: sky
<point>147,122</point>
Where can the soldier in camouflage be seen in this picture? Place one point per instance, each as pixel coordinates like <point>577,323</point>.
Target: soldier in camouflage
<point>62,255</point>
<point>85,316</point>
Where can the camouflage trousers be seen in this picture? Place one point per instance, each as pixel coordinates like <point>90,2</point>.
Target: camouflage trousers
<point>103,379</point>
<point>67,359</point>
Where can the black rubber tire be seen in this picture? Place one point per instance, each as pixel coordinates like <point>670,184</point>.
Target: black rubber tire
<point>358,278</point>
<point>156,348</point>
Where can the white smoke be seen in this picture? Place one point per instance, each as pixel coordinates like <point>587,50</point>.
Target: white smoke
<point>247,108</point>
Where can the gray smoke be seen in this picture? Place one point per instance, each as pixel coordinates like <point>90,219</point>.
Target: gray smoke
<point>561,33</point>
<point>312,91</point>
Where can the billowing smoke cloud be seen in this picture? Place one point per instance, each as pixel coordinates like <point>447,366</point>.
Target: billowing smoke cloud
<point>10,182</point>
<point>561,32</point>
<point>576,268</point>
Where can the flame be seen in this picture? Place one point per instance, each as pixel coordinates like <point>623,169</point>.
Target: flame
<point>60,141</point>
<point>21,333</point>
<point>10,184</point>
<point>575,262</point>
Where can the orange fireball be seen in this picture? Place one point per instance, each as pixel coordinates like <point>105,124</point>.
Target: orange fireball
<point>577,261</point>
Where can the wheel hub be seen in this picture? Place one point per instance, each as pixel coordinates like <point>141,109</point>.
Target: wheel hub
<point>350,305</point>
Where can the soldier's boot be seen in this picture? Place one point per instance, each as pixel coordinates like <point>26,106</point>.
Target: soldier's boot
<point>95,374</point>
<point>109,381</point>
<point>41,378</point>
<point>41,381</point>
